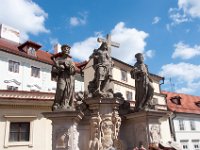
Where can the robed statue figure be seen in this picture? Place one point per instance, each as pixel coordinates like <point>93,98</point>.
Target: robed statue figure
<point>63,71</point>
<point>144,89</point>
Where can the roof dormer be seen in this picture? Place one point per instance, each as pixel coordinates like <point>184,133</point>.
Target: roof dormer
<point>29,47</point>
<point>176,100</point>
<point>197,104</point>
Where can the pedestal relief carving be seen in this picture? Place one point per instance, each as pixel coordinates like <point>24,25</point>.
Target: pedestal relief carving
<point>104,132</point>
<point>75,136</point>
<point>107,137</point>
<point>62,138</point>
<point>155,133</point>
<point>95,142</point>
<point>66,137</point>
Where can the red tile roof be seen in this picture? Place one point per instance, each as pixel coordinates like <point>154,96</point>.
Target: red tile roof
<point>41,55</point>
<point>26,95</point>
<point>187,103</point>
<point>36,45</point>
<point>12,47</point>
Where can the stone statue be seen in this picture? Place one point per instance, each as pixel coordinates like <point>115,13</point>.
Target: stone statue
<point>143,84</point>
<point>102,64</point>
<point>63,71</point>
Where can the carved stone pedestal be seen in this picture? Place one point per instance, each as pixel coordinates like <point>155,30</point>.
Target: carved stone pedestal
<point>142,128</point>
<point>104,124</point>
<point>64,125</point>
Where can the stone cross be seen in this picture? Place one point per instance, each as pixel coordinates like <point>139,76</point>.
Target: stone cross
<point>109,42</point>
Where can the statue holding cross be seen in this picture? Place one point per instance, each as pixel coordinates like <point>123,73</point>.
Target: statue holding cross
<point>102,64</point>
<point>109,42</point>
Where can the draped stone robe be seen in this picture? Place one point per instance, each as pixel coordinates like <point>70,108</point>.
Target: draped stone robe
<point>143,86</point>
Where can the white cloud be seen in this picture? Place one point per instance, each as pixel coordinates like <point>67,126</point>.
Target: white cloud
<point>131,42</point>
<point>190,7</point>
<point>82,50</point>
<point>74,21</point>
<point>150,53</point>
<point>25,15</point>
<point>53,41</point>
<point>177,16</point>
<point>185,76</point>
<point>156,20</point>
<point>80,20</point>
<point>186,11</point>
<point>184,51</point>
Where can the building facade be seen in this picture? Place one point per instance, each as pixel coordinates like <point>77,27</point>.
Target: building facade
<point>26,90</point>
<point>22,125</point>
<point>25,67</point>
<point>185,121</point>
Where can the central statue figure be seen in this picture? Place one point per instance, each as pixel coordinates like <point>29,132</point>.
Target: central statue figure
<point>102,64</point>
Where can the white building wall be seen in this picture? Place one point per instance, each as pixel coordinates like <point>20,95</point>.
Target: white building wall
<point>123,90</point>
<point>123,86</point>
<point>187,135</point>
<point>117,76</point>
<point>27,82</point>
<point>41,128</point>
<point>88,74</point>
<point>165,130</point>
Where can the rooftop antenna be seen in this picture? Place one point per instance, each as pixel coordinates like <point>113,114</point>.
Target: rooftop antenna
<point>172,85</point>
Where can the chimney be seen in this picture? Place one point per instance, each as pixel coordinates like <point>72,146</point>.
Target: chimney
<point>57,48</point>
<point>9,33</point>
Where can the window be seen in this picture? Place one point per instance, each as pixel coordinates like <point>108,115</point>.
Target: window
<point>31,51</point>
<point>176,100</point>
<point>181,125</point>
<point>129,95</point>
<point>12,88</point>
<point>35,72</point>
<point>19,131</point>
<point>184,144</point>
<point>123,75</point>
<point>196,144</point>
<point>13,66</point>
<point>197,104</point>
<point>192,125</point>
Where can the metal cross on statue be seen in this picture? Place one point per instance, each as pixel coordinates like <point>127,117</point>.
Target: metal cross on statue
<point>109,42</point>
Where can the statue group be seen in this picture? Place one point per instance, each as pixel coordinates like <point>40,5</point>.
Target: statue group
<point>64,69</point>
<point>102,107</point>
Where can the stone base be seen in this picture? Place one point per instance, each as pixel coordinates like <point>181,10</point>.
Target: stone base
<point>65,135</point>
<point>142,128</point>
<point>105,123</point>
<point>101,128</point>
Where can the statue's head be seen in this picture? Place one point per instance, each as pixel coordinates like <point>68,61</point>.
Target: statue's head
<point>65,49</point>
<point>104,46</point>
<point>139,57</point>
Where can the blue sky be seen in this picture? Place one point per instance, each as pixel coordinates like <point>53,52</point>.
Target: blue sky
<point>166,31</point>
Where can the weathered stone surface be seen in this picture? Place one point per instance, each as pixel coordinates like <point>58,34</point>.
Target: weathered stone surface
<point>143,84</point>
<point>141,129</point>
